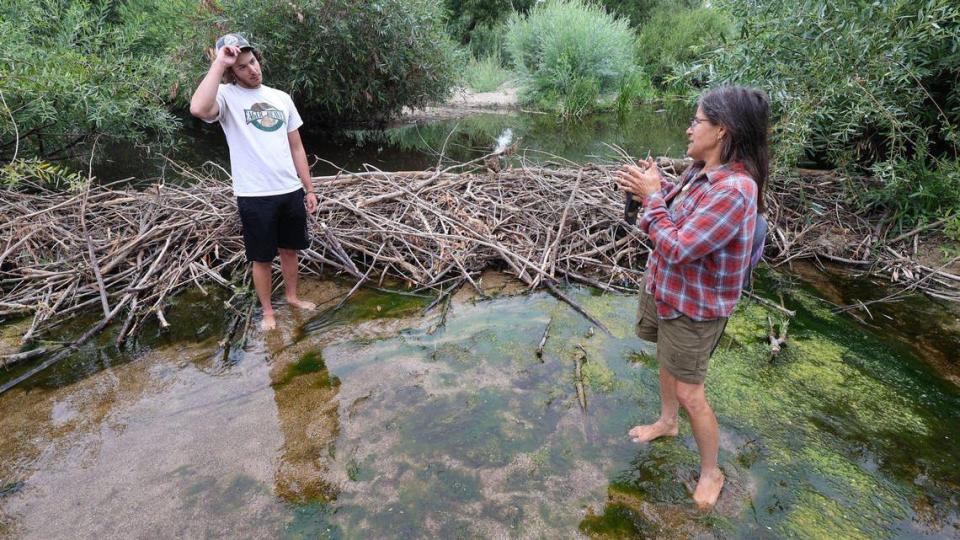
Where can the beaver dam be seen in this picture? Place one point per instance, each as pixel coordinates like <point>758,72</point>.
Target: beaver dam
<point>487,395</point>
<point>126,252</point>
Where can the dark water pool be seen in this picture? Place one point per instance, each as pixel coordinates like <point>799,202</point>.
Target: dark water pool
<point>655,129</point>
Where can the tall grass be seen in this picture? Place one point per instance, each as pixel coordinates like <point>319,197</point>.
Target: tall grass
<point>485,74</point>
<point>567,53</point>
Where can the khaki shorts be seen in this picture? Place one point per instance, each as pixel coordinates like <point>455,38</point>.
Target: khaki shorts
<point>684,345</point>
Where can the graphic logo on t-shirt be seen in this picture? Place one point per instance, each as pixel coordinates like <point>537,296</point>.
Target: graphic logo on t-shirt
<point>265,116</point>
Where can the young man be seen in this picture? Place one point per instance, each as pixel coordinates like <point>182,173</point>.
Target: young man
<point>271,178</point>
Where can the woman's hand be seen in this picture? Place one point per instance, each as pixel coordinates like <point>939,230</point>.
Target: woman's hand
<point>641,179</point>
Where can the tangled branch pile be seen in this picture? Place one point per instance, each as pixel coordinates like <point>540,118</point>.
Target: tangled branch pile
<point>813,215</point>
<point>125,252</point>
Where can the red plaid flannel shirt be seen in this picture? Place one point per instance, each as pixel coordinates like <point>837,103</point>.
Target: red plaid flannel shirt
<point>701,241</point>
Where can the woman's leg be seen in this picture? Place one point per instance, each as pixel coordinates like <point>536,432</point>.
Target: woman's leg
<point>693,398</point>
<point>669,406</point>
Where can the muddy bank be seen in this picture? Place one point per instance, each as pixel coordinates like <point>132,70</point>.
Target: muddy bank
<point>465,103</point>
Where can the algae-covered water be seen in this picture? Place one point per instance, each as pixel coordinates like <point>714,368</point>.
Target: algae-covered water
<point>376,421</point>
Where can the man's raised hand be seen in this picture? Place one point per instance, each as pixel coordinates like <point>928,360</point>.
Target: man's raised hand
<point>227,56</point>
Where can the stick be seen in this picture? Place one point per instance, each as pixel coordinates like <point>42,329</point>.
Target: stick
<point>556,291</point>
<point>543,339</point>
<point>578,379</point>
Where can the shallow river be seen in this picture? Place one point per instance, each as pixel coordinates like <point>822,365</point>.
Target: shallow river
<point>381,421</point>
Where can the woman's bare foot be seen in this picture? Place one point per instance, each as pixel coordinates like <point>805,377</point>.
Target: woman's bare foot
<point>708,489</point>
<point>268,322</point>
<point>302,304</point>
<point>649,432</point>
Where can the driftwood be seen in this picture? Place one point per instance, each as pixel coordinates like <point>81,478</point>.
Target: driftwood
<point>578,377</point>
<point>125,251</point>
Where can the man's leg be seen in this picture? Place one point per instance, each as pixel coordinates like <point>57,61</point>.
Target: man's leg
<point>263,284</point>
<point>666,425</point>
<point>705,430</point>
<point>290,269</point>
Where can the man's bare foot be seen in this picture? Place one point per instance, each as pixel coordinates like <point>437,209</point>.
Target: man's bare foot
<point>708,489</point>
<point>649,432</point>
<point>268,322</point>
<point>302,304</point>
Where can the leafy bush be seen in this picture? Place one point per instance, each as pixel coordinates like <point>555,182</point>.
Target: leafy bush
<point>638,12</point>
<point>567,52</point>
<point>634,88</point>
<point>486,74</point>
<point>479,23</point>
<point>37,171</point>
<point>341,60</point>
<point>76,70</point>
<point>852,82</point>
<point>915,191</point>
<point>675,37</point>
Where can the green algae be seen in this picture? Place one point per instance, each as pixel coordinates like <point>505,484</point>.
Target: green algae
<point>309,363</point>
<point>816,516</point>
<point>598,376</point>
<point>473,429</point>
<point>465,432</point>
<point>368,305</point>
<point>616,522</point>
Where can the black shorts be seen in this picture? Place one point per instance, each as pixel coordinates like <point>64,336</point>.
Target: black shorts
<point>271,222</point>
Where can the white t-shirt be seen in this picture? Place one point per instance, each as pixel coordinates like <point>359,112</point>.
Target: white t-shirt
<point>256,122</point>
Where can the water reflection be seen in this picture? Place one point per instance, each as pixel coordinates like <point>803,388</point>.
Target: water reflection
<point>657,129</point>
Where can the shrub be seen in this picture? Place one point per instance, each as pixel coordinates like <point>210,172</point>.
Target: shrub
<point>564,51</point>
<point>675,37</point>
<point>639,12</point>
<point>341,60</point>
<point>915,191</point>
<point>36,171</point>
<point>486,74</point>
<point>73,71</point>
<point>854,83</point>
<point>474,22</point>
<point>634,88</point>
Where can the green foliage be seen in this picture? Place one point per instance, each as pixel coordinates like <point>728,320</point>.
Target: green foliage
<point>952,228</point>
<point>341,60</point>
<point>567,53</point>
<point>486,74</point>
<point>852,82</point>
<point>77,70</point>
<point>915,190</point>
<point>676,37</point>
<point>479,23</point>
<point>36,171</point>
<point>639,12</point>
<point>635,87</point>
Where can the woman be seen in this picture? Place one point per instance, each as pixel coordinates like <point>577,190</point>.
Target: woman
<point>702,230</point>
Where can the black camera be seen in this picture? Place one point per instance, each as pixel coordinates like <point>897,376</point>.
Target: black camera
<point>631,207</point>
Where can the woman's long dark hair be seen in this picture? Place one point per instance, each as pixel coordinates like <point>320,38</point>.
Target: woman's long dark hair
<point>744,113</point>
